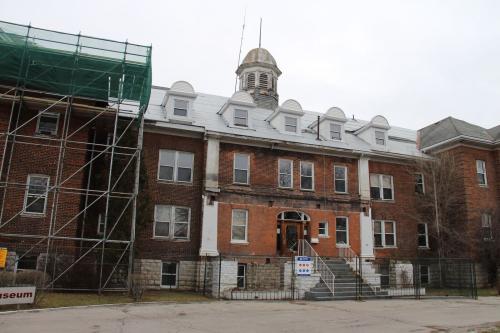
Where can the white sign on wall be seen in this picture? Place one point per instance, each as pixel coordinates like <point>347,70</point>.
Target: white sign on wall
<point>17,295</point>
<point>303,265</point>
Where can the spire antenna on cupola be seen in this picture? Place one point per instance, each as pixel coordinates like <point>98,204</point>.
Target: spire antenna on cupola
<point>260,33</point>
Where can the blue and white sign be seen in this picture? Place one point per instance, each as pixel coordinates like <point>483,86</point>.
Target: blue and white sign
<point>303,265</point>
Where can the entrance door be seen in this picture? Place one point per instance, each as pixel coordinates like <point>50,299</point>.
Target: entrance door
<point>289,234</point>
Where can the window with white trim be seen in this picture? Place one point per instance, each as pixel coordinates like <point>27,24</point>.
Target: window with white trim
<point>381,187</point>
<point>241,117</point>
<point>323,229</point>
<point>169,272</point>
<point>419,183</point>
<point>241,277</point>
<point>340,178</point>
<point>380,138</point>
<point>181,107</point>
<point>291,124</point>
<point>241,172</point>
<point>335,131</point>
<point>172,222</point>
<point>285,173</point>
<point>239,225</point>
<point>175,166</point>
<point>481,172</point>
<point>384,233</point>
<point>100,224</point>
<point>35,199</point>
<point>425,274</point>
<point>306,176</point>
<point>423,235</point>
<point>47,123</point>
<point>342,231</point>
<point>486,227</point>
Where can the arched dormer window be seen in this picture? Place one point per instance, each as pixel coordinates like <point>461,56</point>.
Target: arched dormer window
<point>293,216</point>
<point>263,81</point>
<point>251,81</point>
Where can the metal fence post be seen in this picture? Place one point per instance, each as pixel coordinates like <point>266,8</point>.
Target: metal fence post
<point>220,274</point>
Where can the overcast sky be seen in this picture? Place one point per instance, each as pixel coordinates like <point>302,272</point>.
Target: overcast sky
<point>415,62</point>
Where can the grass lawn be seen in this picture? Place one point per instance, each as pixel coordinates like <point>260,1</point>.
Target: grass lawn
<point>57,300</point>
<point>460,292</point>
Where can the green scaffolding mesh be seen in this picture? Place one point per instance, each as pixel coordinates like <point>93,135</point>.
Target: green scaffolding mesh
<point>74,65</point>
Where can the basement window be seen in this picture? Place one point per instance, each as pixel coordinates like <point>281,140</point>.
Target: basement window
<point>47,123</point>
<point>169,272</point>
<point>425,274</point>
<point>242,276</point>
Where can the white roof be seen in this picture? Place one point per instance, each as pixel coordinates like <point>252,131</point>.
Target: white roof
<point>205,117</point>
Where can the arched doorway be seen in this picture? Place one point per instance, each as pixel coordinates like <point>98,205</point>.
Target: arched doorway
<point>291,226</point>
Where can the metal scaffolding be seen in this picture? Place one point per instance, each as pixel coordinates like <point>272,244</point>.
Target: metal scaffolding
<point>98,90</point>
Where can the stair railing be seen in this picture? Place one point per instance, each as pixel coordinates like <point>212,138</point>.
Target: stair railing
<point>347,253</point>
<point>319,265</point>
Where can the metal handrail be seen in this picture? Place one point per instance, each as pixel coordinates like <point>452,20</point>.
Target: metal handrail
<point>319,265</point>
<point>347,253</point>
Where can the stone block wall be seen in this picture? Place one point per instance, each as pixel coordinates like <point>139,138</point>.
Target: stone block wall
<point>264,276</point>
<point>224,278</point>
<point>148,272</point>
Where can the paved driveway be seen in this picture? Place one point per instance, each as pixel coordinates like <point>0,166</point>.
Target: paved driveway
<point>256,316</point>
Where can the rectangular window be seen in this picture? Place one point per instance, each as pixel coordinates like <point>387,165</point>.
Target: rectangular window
<point>169,272</point>
<point>381,187</point>
<point>425,274</point>
<point>241,118</point>
<point>323,229</point>
<point>419,183</point>
<point>285,173</point>
<point>380,138</point>
<point>423,235</point>
<point>340,179</point>
<point>172,222</point>
<point>291,124</point>
<point>100,224</point>
<point>241,170</point>
<point>481,172</point>
<point>486,227</point>
<point>384,233</point>
<point>242,276</point>
<point>47,123</point>
<point>342,231</point>
<point>35,200</point>
<point>306,176</point>
<point>239,226</point>
<point>175,166</point>
<point>336,132</point>
<point>180,107</point>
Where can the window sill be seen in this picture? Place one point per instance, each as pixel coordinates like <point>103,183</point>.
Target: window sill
<point>285,188</point>
<point>307,190</point>
<point>171,182</point>
<point>342,193</point>
<point>382,200</point>
<point>159,238</point>
<point>241,184</point>
<point>424,248</point>
<point>48,136</point>
<point>385,247</point>
<point>342,246</point>
<point>33,215</point>
<point>323,236</point>
<point>239,242</point>
<point>168,287</point>
<point>483,185</point>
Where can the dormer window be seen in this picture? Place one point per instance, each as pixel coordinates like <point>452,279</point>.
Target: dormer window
<point>47,123</point>
<point>181,107</point>
<point>240,118</point>
<point>380,138</point>
<point>335,131</point>
<point>290,124</point>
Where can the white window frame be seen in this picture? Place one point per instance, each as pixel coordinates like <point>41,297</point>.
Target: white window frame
<point>48,115</point>
<point>247,182</point>
<point>384,142</point>
<point>296,124</point>
<point>239,241</point>
<point>346,231</point>
<point>383,233</point>
<point>481,164</point>
<point>325,233</point>
<point>175,166</point>
<point>246,125</point>
<point>100,222</point>
<point>311,176</point>
<point>174,108</point>
<point>27,194</point>
<point>164,286</point>
<point>381,187</point>
<point>422,183</point>
<point>332,131</point>
<point>291,173</point>
<point>486,222</point>
<point>244,276</point>
<point>345,180</point>
<point>426,234</point>
<point>172,222</point>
